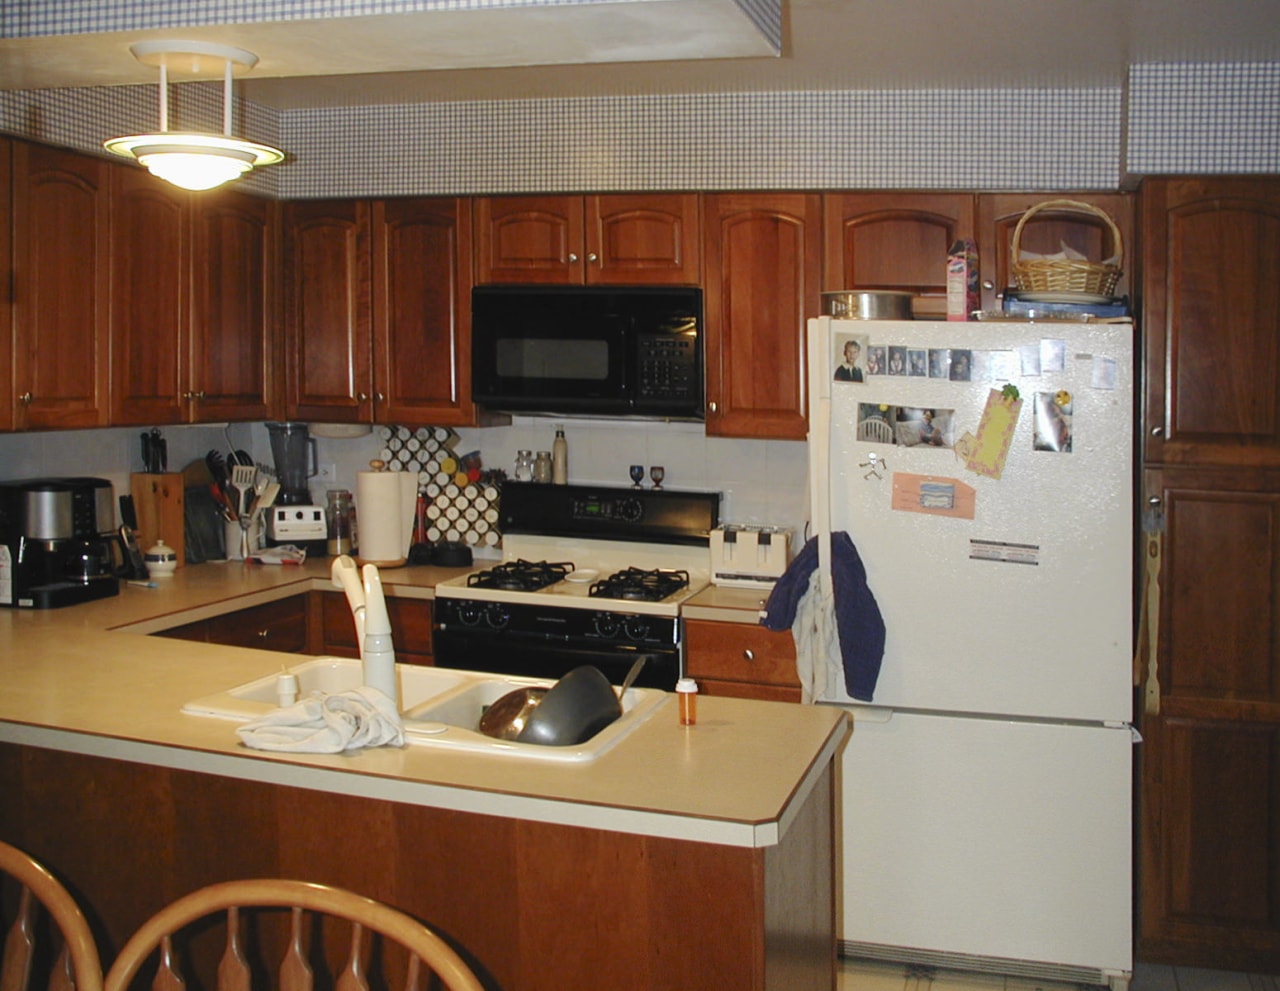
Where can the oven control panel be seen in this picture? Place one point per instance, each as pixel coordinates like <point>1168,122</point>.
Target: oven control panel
<point>624,509</point>
<point>609,512</point>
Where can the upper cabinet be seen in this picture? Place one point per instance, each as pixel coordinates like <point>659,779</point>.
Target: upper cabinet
<point>763,256</point>
<point>422,311</point>
<point>60,288</point>
<point>234,365</point>
<point>894,241</point>
<point>628,239</point>
<point>6,265</point>
<point>377,311</point>
<point>191,291</point>
<point>1211,315</point>
<point>1048,232</point>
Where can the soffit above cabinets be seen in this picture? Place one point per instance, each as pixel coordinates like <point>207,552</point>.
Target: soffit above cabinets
<point>421,51</point>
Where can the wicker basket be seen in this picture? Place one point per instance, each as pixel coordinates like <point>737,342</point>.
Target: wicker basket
<point>1067,274</point>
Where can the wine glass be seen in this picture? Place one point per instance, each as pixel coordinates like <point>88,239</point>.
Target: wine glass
<point>657,473</point>
<point>637,475</point>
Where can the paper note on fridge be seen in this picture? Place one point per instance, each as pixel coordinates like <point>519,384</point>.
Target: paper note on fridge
<point>995,434</point>
<point>932,494</point>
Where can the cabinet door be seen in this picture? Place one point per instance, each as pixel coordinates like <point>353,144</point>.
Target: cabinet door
<point>279,625</point>
<point>531,239</point>
<point>741,660</point>
<point>410,628</point>
<point>894,241</point>
<point>1211,315</point>
<point>1047,232</point>
<point>328,320</point>
<point>642,239</point>
<point>422,311</point>
<point>150,297</point>
<point>233,363</point>
<point>763,258</point>
<point>60,288</point>
<point>1210,760</point>
<point>6,265</point>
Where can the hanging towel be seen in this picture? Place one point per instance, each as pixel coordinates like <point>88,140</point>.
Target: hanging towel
<point>328,724</point>
<point>795,603</point>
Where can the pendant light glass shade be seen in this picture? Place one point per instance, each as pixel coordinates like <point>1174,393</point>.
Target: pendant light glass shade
<point>193,160</point>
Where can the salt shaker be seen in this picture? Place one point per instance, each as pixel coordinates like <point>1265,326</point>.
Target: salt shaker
<point>542,467</point>
<point>524,466</point>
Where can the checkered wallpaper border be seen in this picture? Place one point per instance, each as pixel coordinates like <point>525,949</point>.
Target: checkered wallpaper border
<point>1205,118</point>
<point>1179,119</point>
<point>32,18</point>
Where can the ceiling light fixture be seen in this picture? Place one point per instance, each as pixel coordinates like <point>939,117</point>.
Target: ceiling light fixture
<point>190,159</point>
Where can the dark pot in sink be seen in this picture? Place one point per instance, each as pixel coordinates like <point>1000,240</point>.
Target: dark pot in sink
<point>575,709</point>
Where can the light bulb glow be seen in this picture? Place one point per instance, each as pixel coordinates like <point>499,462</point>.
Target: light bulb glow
<point>194,161</point>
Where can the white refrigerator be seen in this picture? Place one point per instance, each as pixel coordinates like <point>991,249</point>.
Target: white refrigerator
<point>987,785</point>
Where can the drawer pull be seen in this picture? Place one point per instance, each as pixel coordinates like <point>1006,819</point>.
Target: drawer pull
<point>263,634</point>
<point>750,655</point>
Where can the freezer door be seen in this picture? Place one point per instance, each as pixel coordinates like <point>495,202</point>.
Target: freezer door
<point>987,837</point>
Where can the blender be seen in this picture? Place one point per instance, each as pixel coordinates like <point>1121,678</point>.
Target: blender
<point>294,452</point>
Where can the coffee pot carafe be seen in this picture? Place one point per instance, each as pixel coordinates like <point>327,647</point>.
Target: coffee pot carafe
<point>294,452</point>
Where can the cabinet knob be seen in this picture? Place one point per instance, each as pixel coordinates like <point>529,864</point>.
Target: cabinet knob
<point>263,634</point>
<point>988,284</point>
<point>592,257</point>
<point>25,399</point>
<point>711,406</point>
<point>1153,500</point>
<point>573,258</point>
<point>1157,431</point>
<point>379,397</point>
<point>750,655</point>
<point>362,397</point>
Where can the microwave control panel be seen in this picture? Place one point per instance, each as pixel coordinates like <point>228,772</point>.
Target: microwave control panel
<point>668,366</point>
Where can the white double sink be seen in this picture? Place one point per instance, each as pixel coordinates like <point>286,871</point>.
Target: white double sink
<point>441,707</point>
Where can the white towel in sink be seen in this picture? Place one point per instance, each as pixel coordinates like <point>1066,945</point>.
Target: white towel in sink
<point>328,724</point>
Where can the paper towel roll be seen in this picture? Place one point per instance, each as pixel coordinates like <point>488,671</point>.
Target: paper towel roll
<point>385,502</point>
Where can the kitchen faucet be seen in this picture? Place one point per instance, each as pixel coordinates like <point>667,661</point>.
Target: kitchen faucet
<point>373,625</point>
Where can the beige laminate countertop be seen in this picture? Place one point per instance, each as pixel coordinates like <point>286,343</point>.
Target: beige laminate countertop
<point>86,679</point>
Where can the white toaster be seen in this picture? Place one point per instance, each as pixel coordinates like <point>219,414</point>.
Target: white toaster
<point>749,556</point>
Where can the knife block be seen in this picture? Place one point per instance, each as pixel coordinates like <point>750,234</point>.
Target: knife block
<point>160,502</point>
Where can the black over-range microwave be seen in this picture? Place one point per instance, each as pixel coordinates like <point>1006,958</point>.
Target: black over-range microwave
<point>588,351</point>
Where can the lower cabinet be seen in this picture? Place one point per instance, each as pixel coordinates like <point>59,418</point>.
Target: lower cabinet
<point>741,660</point>
<point>410,628</point>
<point>279,625</point>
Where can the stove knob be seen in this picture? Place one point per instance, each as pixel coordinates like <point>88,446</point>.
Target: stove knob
<point>629,510</point>
<point>636,628</point>
<point>468,613</point>
<point>606,625</point>
<point>497,616</point>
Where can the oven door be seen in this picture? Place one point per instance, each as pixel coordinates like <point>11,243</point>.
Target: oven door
<point>533,656</point>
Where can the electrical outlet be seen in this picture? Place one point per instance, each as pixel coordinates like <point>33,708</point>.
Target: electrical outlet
<point>327,474</point>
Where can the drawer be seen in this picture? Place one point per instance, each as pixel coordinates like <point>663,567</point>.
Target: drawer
<point>740,652</point>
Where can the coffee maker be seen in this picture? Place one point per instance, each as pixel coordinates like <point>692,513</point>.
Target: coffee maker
<point>55,542</point>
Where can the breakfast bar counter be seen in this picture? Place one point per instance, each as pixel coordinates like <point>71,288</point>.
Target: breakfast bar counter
<point>686,857</point>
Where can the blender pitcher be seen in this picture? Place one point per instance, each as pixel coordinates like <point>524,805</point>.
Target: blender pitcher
<point>294,452</point>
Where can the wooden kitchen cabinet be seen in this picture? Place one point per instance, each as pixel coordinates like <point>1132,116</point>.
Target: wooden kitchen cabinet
<point>741,660</point>
<point>763,261</point>
<point>1208,887</point>
<point>377,311</point>
<point>6,265</point>
<point>621,239</point>
<point>191,296</point>
<point>60,288</point>
<point>1046,232</point>
<point>1211,318</point>
<point>280,625</point>
<point>1208,884</point>
<point>410,627</point>
<point>895,241</point>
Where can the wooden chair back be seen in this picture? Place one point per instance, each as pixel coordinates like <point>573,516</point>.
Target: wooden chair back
<point>424,952</point>
<point>68,959</point>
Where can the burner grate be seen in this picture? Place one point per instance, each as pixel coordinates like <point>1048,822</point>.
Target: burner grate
<point>640,584</point>
<point>521,575</point>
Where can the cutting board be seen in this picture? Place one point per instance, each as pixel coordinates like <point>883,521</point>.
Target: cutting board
<point>160,502</point>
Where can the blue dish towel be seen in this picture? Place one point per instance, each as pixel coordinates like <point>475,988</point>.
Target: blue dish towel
<point>859,625</point>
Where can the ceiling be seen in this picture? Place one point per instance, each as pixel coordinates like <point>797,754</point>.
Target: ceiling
<point>684,46</point>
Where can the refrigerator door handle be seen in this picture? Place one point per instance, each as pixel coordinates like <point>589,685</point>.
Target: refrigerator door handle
<point>870,714</point>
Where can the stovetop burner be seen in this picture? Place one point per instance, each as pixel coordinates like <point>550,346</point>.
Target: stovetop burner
<point>639,584</point>
<point>521,575</point>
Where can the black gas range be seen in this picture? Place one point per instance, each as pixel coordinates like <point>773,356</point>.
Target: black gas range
<point>590,575</point>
